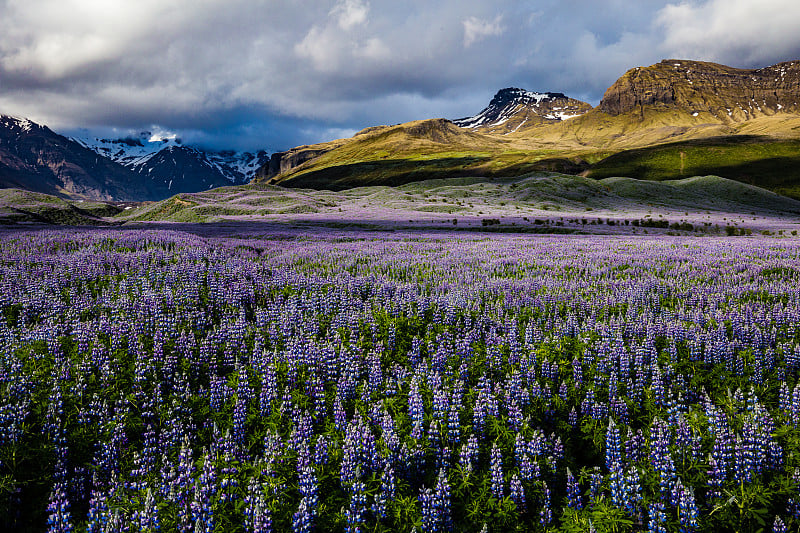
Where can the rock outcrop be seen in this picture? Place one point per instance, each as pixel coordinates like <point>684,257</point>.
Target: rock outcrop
<point>281,162</point>
<point>695,87</point>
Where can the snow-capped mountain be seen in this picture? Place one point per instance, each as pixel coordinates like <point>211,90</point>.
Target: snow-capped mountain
<point>33,157</point>
<point>140,167</point>
<point>166,159</point>
<point>513,108</point>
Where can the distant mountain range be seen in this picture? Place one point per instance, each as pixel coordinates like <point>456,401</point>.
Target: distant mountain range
<point>670,120</point>
<point>158,157</point>
<point>144,167</point>
<point>34,158</point>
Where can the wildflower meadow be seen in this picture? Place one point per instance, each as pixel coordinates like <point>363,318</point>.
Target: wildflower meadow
<point>381,382</point>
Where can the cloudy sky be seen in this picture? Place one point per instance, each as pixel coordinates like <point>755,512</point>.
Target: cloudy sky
<point>249,74</point>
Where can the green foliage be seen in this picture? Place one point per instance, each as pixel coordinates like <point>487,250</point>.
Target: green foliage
<point>601,517</point>
<point>754,160</point>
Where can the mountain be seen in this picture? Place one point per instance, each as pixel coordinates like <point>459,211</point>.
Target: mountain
<point>166,159</point>
<point>513,108</point>
<point>394,155</point>
<point>145,167</point>
<point>694,110</point>
<point>681,118</point>
<point>680,100</point>
<point>723,93</point>
<point>379,143</point>
<point>35,158</point>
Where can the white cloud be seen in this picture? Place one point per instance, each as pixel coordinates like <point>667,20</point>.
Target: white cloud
<point>55,39</point>
<point>323,47</point>
<point>341,39</point>
<point>731,31</point>
<point>374,49</point>
<point>350,13</point>
<point>476,29</point>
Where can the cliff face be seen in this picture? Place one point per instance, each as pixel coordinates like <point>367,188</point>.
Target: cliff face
<point>730,94</point>
<point>281,162</point>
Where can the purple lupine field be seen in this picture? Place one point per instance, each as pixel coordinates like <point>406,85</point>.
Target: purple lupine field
<point>157,380</point>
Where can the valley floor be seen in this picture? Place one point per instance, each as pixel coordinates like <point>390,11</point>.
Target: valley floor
<point>537,203</point>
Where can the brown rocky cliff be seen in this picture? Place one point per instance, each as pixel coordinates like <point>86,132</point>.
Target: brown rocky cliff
<point>730,94</point>
<point>281,162</point>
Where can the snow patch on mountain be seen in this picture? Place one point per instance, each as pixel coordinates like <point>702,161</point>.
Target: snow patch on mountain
<point>230,162</point>
<point>22,124</point>
<point>132,151</point>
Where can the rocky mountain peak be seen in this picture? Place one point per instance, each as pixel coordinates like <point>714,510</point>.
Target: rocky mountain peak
<point>512,108</point>
<point>514,94</point>
<point>697,87</point>
<point>141,166</point>
<point>16,125</point>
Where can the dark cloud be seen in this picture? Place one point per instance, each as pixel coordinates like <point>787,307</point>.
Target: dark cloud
<point>274,73</point>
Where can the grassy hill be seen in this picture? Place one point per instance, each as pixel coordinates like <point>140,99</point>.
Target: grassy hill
<point>19,206</point>
<point>423,150</point>
<point>764,152</point>
<point>761,161</point>
<point>532,195</point>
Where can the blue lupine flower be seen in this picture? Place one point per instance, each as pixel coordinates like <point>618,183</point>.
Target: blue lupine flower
<point>517,492</point>
<point>469,454</point>
<point>358,504</point>
<point>658,518</point>
<point>302,520</point>
<point>687,508</point>
<point>660,456</point>
<point>496,473</point>
<point>59,519</point>
<point>386,493</point>
<point>573,492</point>
<point>257,516</point>
<point>546,513</point>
